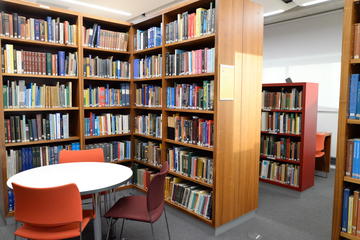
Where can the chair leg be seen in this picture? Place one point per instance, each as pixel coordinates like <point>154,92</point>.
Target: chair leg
<point>15,230</point>
<point>167,224</point>
<point>122,228</point>
<point>152,231</point>
<point>109,228</point>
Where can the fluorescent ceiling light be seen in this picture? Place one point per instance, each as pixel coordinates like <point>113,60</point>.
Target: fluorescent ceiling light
<point>309,3</point>
<point>98,7</point>
<point>274,12</point>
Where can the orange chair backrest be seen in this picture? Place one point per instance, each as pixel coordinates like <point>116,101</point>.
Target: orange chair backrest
<point>91,155</point>
<point>48,206</point>
<point>320,142</point>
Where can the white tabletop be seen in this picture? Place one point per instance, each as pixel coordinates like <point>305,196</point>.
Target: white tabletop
<point>90,177</point>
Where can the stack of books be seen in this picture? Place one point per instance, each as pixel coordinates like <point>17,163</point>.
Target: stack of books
<point>278,122</point>
<point>283,100</point>
<point>106,96</point>
<point>149,38</point>
<point>148,67</point>
<point>148,152</point>
<point>150,125</point>
<point>106,68</point>
<point>280,148</point>
<point>148,96</point>
<point>280,172</point>
<point>113,151</point>
<point>106,124</point>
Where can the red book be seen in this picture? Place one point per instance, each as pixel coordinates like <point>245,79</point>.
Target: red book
<point>91,124</point>
<point>66,32</point>
<point>101,96</point>
<point>11,27</point>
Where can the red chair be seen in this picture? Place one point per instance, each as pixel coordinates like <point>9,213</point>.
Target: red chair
<point>147,208</point>
<point>50,213</point>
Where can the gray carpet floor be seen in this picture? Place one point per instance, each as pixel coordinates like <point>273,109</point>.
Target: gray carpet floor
<point>282,215</point>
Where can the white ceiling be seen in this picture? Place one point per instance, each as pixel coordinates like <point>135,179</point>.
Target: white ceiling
<point>138,7</point>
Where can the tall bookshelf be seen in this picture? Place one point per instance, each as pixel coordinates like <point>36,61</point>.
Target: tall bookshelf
<point>347,128</point>
<point>237,96</point>
<point>301,103</point>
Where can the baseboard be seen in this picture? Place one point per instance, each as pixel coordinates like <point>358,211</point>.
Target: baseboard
<point>234,223</point>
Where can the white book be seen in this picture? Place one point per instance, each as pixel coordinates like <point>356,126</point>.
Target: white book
<point>9,58</point>
<point>61,26</point>
<point>19,66</point>
<point>21,95</point>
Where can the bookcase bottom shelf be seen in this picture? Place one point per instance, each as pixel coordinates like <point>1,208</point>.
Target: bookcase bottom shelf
<point>280,184</point>
<point>177,206</point>
<point>349,236</point>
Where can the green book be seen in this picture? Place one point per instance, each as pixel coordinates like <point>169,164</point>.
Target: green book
<point>48,64</point>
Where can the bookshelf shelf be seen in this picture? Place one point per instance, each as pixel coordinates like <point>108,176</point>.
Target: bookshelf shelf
<point>280,184</point>
<point>280,160</point>
<point>40,109</point>
<point>353,121</point>
<point>37,76</point>
<point>149,108</point>
<point>147,164</point>
<point>147,136</point>
<point>280,110</point>
<point>347,128</point>
<point>303,169</point>
<point>107,79</point>
<point>191,76</point>
<point>107,136</point>
<point>122,161</point>
<point>103,50</point>
<point>122,188</point>
<point>190,145</point>
<point>208,185</point>
<point>147,79</point>
<point>106,108</point>
<point>41,142</point>
<point>281,134</point>
<point>209,38</point>
<point>148,51</point>
<point>189,110</point>
<point>184,209</point>
<point>34,42</point>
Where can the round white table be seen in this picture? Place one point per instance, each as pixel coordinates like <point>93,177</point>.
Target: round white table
<point>89,177</point>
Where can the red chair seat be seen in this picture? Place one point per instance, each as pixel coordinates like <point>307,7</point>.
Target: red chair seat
<point>60,232</point>
<point>134,208</point>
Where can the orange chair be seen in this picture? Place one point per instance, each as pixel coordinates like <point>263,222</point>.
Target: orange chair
<point>50,213</point>
<point>320,145</point>
<point>91,155</point>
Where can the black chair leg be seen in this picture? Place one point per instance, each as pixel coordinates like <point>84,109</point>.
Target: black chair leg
<point>109,229</point>
<point>152,231</point>
<point>167,224</point>
<point>122,228</point>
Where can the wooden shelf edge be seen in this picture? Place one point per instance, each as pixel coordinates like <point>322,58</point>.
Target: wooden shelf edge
<point>37,42</point>
<point>147,79</point>
<point>209,37</point>
<point>184,209</point>
<point>191,76</point>
<point>189,110</point>
<point>146,164</point>
<point>353,121</point>
<point>107,136</point>
<point>280,160</point>
<point>176,174</point>
<point>39,109</point>
<point>146,50</point>
<point>349,236</point>
<point>351,180</point>
<point>42,142</point>
<point>281,110</point>
<point>107,79</point>
<point>147,136</point>
<point>106,108</point>
<point>122,161</point>
<point>105,50</point>
<point>280,184</point>
<point>37,76</point>
<point>148,108</point>
<point>189,145</point>
<point>282,134</point>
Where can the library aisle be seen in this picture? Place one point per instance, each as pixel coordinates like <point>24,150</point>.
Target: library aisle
<point>282,215</point>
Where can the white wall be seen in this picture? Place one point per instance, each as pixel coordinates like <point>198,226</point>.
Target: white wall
<point>308,50</point>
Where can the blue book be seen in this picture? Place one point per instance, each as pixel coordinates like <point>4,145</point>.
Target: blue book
<point>136,68</point>
<point>353,95</point>
<point>127,94</point>
<point>50,36</point>
<point>107,96</point>
<point>61,62</point>
<point>23,160</point>
<point>98,36</point>
<point>37,29</point>
<point>345,210</point>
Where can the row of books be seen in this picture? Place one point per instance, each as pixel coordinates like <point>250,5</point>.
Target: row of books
<point>148,152</point>
<point>191,96</point>
<point>11,201</point>
<point>283,100</point>
<point>354,97</point>
<point>19,94</point>
<point>22,128</point>
<point>106,124</point>
<point>40,63</point>
<point>280,172</point>
<point>284,148</point>
<point>149,38</point>
<point>188,26</point>
<point>142,176</point>
<point>192,130</point>
<point>150,125</point>
<point>107,96</point>
<point>148,95</point>
<point>46,30</point>
<point>277,122</point>
<point>113,151</point>
<point>190,62</point>
<point>350,219</point>
<point>100,38</point>
<point>193,197</point>
<point>352,168</point>
<point>106,68</point>
<point>22,159</point>
<point>184,161</point>
<point>148,67</point>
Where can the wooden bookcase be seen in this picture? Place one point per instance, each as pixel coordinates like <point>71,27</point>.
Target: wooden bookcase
<point>307,136</point>
<point>238,42</point>
<point>347,128</point>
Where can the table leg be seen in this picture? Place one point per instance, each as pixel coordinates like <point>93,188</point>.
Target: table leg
<point>97,220</point>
